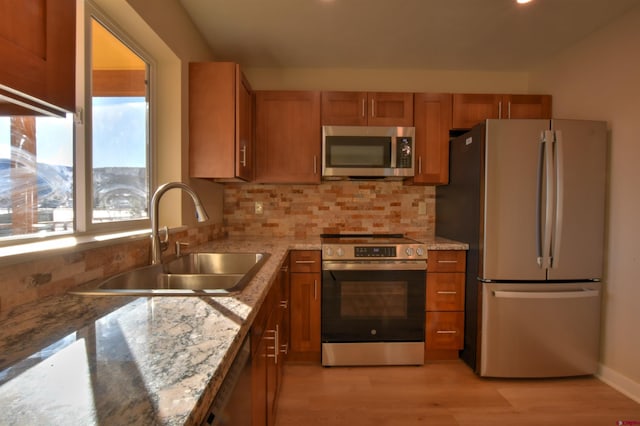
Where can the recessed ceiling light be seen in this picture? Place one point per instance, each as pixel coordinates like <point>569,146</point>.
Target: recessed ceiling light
<point>523,1</point>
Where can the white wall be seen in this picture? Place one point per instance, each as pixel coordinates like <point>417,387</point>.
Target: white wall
<point>387,80</point>
<point>599,78</point>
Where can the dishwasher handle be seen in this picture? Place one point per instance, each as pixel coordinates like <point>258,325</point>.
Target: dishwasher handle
<point>572,294</point>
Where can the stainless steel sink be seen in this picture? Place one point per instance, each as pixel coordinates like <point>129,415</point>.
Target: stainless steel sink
<point>195,274</point>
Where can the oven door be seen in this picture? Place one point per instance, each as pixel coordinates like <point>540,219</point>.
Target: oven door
<point>373,301</point>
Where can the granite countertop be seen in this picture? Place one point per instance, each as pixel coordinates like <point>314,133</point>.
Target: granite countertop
<point>145,360</point>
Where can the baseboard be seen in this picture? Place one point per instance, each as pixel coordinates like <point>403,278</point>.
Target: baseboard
<point>619,382</point>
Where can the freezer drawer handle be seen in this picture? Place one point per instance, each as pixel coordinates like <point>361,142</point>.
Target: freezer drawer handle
<point>545,294</point>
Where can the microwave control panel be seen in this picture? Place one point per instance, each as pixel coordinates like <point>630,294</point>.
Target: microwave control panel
<point>403,154</point>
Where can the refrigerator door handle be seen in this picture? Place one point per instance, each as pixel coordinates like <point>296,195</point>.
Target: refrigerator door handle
<point>559,196</point>
<point>541,152</point>
<point>546,294</point>
<point>549,184</point>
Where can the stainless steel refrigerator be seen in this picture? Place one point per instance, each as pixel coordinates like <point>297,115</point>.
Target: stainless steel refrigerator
<point>528,197</point>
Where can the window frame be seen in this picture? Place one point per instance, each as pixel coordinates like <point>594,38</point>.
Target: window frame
<point>84,141</point>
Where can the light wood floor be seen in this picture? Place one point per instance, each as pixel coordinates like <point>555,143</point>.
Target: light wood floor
<point>443,393</point>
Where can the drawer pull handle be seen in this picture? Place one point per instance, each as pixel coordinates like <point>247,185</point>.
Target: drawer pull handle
<point>447,261</point>
<point>446,292</point>
<point>446,332</point>
<point>305,262</point>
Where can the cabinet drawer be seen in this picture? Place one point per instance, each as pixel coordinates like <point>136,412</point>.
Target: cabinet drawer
<point>446,261</point>
<point>305,261</point>
<point>445,291</point>
<point>444,330</point>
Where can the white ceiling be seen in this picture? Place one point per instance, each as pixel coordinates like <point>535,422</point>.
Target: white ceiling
<point>496,35</point>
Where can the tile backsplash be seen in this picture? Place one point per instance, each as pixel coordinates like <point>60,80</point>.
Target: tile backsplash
<point>340,206</point>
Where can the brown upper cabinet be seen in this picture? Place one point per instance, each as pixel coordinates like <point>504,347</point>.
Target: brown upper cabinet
<point>288,137</point>
<point>471,109</point>
<point>221,142</point>
<point>367,108</point>
<point>38,48</point>
<point>432,123</point>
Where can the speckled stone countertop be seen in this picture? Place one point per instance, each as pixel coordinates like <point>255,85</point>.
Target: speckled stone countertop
<point>132,360</point>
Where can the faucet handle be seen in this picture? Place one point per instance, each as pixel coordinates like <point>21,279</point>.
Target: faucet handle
<point>179,247</point>
<point>163,238</point>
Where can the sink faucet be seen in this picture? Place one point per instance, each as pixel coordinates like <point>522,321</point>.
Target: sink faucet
<point>201,215</point>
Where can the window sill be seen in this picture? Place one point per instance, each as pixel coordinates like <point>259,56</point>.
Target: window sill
<point>36,250</point>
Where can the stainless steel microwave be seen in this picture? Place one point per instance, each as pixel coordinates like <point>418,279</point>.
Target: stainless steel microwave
<point>361,152</point>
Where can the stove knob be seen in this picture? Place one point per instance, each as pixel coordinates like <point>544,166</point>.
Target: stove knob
<point>409,251</point>
<point>328,252</point>
<point>420,251</point>
<point>340,252</point>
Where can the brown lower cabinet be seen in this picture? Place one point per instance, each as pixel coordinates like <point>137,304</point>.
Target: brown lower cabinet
<point>305,305</point>
<point>266,359</point>
<point>444,335</point>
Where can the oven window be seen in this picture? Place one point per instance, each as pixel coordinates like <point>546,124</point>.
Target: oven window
<point>365,300</point>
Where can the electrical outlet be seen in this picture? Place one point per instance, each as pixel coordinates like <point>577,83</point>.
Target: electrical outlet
<point>258,207</point>
<point>422,208</point>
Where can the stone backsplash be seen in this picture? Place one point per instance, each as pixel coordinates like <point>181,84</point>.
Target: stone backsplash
<point>55,274</point>
<point>341,206</point>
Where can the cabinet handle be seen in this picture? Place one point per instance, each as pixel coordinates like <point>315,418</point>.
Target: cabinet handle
<point>275,346</point>
<point>509,109</point>
<point>446,292</point>
<point>446,331</point>
<point>284,304</point>
<point>373,107</point>
<point>305,261</point>
<point>315,165</point>
<point>315,289</point>
<point>364,107</point>
<point>420,165</point>
<point>243,150</point>
<point>447,261</point>
<point>500,109</point>
<point>284,349</point>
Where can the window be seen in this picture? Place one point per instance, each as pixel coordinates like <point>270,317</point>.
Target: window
<point>58,177</point>
<point>36,176</point>
<point>119,137</point>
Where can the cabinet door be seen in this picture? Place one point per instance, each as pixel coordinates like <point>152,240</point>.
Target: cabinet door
<point>446,261</point>
<point>526,106</point>
<point>344,108</point>
<point>259,381</point>
<point>471,109</point>
<point>245,153</point>
<point>38,47</point>
<point>444,330</point>
<point>305,312</point>
<point>390,109</point>
<point>445,291</point>
<point>220,122</point>
<point>432,122</point>
<point>287,137</point>
<point>284,312</point>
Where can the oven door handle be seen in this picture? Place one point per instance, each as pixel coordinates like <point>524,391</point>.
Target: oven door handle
<point>409,265</point>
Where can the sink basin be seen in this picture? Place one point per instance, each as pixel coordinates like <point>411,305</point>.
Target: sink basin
<point>195,274</point>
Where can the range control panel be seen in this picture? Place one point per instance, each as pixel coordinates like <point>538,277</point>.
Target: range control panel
<point>373,251</point>
<point>415,251</point>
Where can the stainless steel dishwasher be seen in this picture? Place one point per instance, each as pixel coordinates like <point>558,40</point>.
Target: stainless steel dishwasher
<point>540,330</point>
<point>232,404</point>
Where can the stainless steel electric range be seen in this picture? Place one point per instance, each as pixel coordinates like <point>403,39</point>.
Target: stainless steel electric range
<point>373,299</point>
